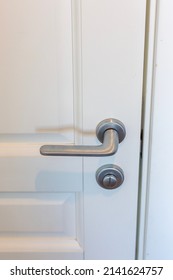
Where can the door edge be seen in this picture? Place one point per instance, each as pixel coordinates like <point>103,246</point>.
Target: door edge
<point>147,115</point>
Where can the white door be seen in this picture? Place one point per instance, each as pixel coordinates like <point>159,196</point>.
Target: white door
<point>64,67</point>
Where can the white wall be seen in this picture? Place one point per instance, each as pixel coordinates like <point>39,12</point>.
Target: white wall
<point>158,243</point>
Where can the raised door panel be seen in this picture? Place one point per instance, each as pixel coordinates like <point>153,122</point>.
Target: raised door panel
<point>37,174</point>
<point>36,80</point>
<point>51,213</point>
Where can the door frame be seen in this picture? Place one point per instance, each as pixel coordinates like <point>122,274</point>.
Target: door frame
<point>147,123</point>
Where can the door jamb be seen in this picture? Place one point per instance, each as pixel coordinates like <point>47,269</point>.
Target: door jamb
<point>148,101</point>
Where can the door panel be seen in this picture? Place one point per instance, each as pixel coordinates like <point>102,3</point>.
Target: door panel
<point>36,66</point>
<point>38,247</point>
<point>36,174</point>
<point>52,213</point>
<point>74,64</point>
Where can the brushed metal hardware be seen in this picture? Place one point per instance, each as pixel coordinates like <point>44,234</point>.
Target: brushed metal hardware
<point>110,133</point>
<point>110,176</point>
<point>109,181</point>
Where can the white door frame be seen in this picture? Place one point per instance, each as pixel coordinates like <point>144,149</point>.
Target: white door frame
<point>148,101</point>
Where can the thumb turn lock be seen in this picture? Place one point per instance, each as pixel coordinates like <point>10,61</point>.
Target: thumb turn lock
<point>110,176</point>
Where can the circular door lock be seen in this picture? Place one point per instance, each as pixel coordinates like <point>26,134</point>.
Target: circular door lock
<point>110,176</point>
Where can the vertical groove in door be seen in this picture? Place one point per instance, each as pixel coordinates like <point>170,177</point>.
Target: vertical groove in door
<point>77,68</point>
<point>78,102</point>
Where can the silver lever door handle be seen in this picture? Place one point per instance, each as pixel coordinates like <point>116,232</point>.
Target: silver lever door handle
<point>110,133</point>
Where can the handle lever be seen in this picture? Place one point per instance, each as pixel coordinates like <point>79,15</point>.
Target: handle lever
<point>110,133</point>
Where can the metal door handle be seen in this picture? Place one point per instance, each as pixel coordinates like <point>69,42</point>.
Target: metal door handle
<point>110,133</point>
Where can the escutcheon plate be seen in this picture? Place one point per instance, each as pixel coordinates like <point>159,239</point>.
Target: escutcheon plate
<point>110,124</point>
<point>110,170</point>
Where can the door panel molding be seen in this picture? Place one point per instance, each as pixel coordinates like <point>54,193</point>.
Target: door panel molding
<point>77,69</point>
